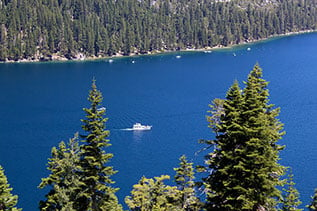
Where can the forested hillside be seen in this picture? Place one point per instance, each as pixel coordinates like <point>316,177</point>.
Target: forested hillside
<point>74,29</point>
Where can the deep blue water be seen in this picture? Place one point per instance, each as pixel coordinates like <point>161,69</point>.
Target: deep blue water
<point>41,104</point>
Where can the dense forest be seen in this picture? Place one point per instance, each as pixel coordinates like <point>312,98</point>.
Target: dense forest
<point>241,170</point>
<point>76,29</point>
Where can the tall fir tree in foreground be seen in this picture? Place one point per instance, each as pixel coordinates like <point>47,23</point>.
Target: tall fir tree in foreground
<point>7,200</point>
<point>64,178</point>
<point>262,131</point>
<point>97,192</point>
<point>80,177</point>
<point>290,200</point>
<point>313,205</point>
<point>243,167</point>
<point>223,183</point>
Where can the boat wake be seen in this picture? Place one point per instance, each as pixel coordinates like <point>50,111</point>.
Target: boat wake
<point>126,129</point>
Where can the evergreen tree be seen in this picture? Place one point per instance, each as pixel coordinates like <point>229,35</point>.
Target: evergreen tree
<point>290,199</point>
<point>263,130</point>
<point>223,184</point>
<point>7,200</point>
<point>34,29</point>
<point>79,178</point>
<point>154,195</point>
<point>97,193</point>
<point>243,168</point>
<point>64,179</point>
<point>184,179</point>
<point>313,205</point>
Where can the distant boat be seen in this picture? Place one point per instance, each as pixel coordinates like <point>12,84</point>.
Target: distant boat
<point>138,126</point>
<point>234,54</point>
<point>178,57</point>
<point>133,61</point>
<point>207,51</point>
<point>110,60</point>
<point>248,49</point>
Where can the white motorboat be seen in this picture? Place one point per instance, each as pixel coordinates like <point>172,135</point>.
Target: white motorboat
<point>138,126</point>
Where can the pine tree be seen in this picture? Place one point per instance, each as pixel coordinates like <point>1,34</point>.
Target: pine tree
<point>8,201</point>
<point>64,178</point>
<point>223,184</point>
<point>42,28</point>
<point>154,195</point>
<point>184,179</point>
<point>243,169</point>
<point>313,205</point>
<point>290,199</point>
<point>97,193</point>
<point>261,130</point>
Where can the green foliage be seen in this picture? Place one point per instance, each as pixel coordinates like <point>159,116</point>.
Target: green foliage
<point>36,29</point>
<point>63,179</point>
<point>80,178</point>
<point>290,199</point>
<point>244,170</point>
<point>184,179</point>
<point>216,112</point>
<point>153,194</point>
<point>313,205</point>
<point>7,200</point>
<point>96,191</point>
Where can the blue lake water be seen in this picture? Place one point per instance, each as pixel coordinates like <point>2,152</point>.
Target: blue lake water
<point>41,104</point>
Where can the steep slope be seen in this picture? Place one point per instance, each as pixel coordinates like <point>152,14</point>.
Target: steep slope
<point>74,29</point>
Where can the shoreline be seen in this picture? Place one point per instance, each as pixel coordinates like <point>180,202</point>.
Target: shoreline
<point>251,42</point>
<point>83,58</point>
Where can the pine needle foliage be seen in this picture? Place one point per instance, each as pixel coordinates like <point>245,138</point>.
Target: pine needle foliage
<point>153,194</point>
<point>313,205</point>
<point>63,179</point>
<point>80,177</point>
<point>216,112</point>
<point>8,201</point>
<point>290,199</point>
<point>44,29</point>
<point>243,167</point>
<point>184,179</point>
<point>97,192</point>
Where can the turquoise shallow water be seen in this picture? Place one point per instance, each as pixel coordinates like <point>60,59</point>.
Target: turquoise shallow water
<point>41,104</point>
